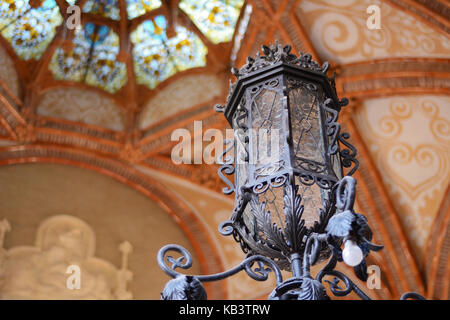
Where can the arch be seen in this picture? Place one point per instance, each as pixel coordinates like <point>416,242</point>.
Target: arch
<point>210,261</point>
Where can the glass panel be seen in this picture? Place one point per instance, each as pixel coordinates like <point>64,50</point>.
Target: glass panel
<point>28,30</point>
<point>308,143</point>
<point>266,135</point>
<point>215,18</point>
<point>104,8</point>
<point>92,59</point>
<point>136,8</point>
<point>157,57</point>
<point>312,200</point>
<point>274,200</point>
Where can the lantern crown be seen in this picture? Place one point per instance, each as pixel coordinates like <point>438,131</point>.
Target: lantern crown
<point>283,109</point>
<point>275,54</point>
<point>277,59</point>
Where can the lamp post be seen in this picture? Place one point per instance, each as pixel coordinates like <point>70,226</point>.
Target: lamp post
<point>293,205</point>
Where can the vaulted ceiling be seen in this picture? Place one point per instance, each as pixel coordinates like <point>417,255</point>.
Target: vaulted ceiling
<point>108,94</point>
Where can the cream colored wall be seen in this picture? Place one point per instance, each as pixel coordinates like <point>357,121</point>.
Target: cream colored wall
<point>409,139</point>
<point>30,193</point>
<point>82,105</point>
<point>181,94</point>
<point>338,31</point>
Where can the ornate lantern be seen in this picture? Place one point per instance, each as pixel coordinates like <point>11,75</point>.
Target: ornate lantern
<point>283,110</point>
<point>293,206</point>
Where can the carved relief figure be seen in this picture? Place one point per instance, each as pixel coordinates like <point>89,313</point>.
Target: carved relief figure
<point>40,272</point>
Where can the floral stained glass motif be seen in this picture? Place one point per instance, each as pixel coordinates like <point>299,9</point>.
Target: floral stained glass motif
<point>92,59</point>
<point>215,18</point>
<point>105,8</point>
<point>136,8</point>
<point>29,30</point>
<point>157,57</point>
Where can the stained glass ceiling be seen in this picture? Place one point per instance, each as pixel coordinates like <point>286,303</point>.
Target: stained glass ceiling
<point>92,59</point>
<point>215,18</point>
<point>95,54</point>
<point>157,57</point>
<point>29,30</point>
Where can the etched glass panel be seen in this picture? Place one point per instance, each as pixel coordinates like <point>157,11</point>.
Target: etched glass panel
<point>306,124</point>
<point>266,133</point>
<point>312,201</point>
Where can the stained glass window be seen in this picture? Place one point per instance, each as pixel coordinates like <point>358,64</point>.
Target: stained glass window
<point>29,30</point>
<point>92,59</point>
<point>136,8</point>
<point>215,18</point>
<point>157,57</point>
<point>105,8</point>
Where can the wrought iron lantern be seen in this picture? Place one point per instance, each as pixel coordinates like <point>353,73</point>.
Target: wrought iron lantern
<point>293,204</point>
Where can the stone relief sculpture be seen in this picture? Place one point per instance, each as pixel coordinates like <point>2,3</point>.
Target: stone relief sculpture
<point>40,271</point>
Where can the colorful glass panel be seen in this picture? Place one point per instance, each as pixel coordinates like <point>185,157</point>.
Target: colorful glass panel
<point>105,8</point>
<point>136,8</point>
<point>157,57</point>
<point>215,18</point>
<point>29,30</point>
<point>92,59</point>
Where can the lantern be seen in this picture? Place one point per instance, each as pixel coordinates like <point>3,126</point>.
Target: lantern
<point>283,110</point>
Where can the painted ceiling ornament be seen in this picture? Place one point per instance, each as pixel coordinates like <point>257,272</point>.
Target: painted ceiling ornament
<point>130,153</point>
<point>26,133</point>
<point>293,202</point>
<point>40,271</point>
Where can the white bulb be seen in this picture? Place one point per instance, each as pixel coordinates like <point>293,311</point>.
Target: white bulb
<point>352,254</point>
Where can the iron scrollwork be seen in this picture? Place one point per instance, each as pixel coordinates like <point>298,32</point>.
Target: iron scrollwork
<point>183,287</point>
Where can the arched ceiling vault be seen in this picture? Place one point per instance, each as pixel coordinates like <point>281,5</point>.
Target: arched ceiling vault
<point>380,69</point>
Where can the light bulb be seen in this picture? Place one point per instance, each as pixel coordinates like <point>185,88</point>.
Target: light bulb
<point>352,254</point>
